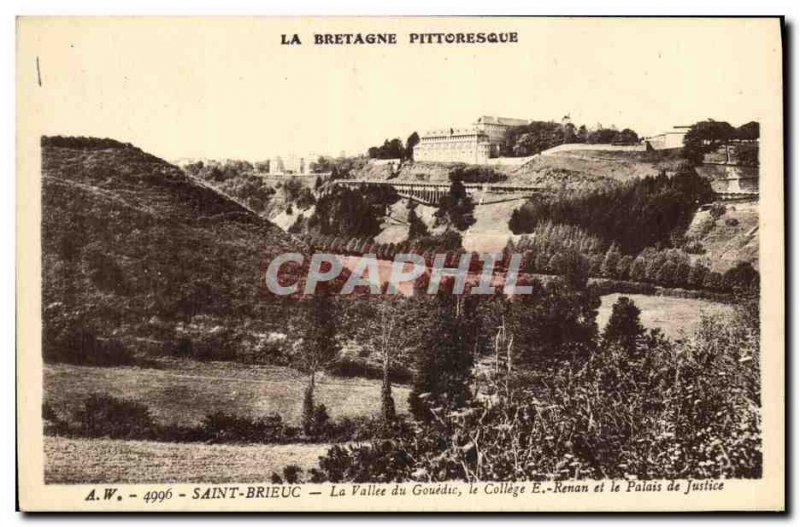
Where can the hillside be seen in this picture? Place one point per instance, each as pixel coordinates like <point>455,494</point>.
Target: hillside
<point>570,170</point>
<point>728,239</point>
<point>590,167</point>
<point>134,249</point>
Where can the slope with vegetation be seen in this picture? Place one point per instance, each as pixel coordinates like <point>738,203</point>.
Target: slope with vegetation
<point>139,256</point>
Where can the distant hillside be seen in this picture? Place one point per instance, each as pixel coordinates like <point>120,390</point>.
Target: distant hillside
<point>570,170</point>
<point>132,247</point>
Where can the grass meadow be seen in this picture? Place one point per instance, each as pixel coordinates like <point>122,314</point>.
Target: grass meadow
<point>183,392</point>
<point>113,461</point>
<point>676,317</point>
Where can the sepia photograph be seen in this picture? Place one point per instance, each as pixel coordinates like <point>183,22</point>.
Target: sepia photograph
<point>374,264</point>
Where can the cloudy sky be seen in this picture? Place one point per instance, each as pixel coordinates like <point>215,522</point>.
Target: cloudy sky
<point>227,87</point>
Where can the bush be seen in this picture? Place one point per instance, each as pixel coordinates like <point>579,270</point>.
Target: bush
<point>292,474</point>
<point>219,344</point>
<point>717,210</point>
<point>106,416</point>
<point>741,277</point>
<point>79,345</point>
<point>476,174</point>
<point>354,367</point>
<point>221,427</point>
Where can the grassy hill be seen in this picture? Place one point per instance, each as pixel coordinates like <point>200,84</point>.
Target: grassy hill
<point>578,169</point>
<point>134,249</point>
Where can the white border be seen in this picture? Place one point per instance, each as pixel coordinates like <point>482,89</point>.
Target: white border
<point>10,8</point>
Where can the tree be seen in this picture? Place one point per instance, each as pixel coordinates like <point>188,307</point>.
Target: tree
<point>575,269</point>
<point>318,347</point>
<point>666,273</point>
<point>552,324</point>
<point>740,277</point>
<point>411,142</point>
<point>697,275</point>
<point>346,212</point>
<point>416,227</point>
<point>706,136</point>
<point>624,267</point>
<point>682,272</point>
<point>748,131</point>
<point>393,149</point>
<point>627,136</point>
<point>624,327</point>
<point>444,360</point>
<point>638,271</point>
<point>456,206</point>
<point>609,267</point>
<point>582,134</point>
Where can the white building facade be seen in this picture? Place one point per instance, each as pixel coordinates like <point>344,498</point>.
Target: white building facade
<point>473,145</point>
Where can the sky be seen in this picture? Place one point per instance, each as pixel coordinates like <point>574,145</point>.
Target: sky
<point>227,88</point>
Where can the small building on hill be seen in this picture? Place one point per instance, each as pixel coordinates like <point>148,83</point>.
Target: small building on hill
<point>670,139</point>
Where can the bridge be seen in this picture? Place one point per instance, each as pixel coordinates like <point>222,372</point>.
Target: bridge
<point>431,193</point>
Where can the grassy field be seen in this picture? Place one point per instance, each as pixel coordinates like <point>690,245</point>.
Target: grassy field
<point>183,392</point>
<point>113,461</point>
<point>675,316</point>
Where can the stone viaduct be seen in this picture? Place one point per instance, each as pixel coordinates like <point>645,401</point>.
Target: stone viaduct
<point>431,193</point>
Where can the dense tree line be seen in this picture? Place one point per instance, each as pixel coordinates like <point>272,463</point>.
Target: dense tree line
<point>530,139</point>
<point>562,249</point>
<point>339,167</point>
<point>237,179</point>
<point>395,149</point>
<point>350,213</point>
<point>428,246</point>
<point>707,136</point>
<point>476,174</point>
<point>635,215</point>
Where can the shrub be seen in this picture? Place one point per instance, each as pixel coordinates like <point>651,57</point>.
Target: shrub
<point>740,277</point>
<point>476,174</point>
<point>221,427</point>
<point>217,344</point>
<point>717,210</point>
<point>80,345</point>
<point>107,416</point>
<point>694,247</point>
<point>353,367</point>
<point>292,473</point>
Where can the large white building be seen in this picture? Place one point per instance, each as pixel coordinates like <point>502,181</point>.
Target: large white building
<point>475,145</point>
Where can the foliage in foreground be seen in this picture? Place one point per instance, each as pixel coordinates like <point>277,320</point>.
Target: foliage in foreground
<point>647,409</point>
